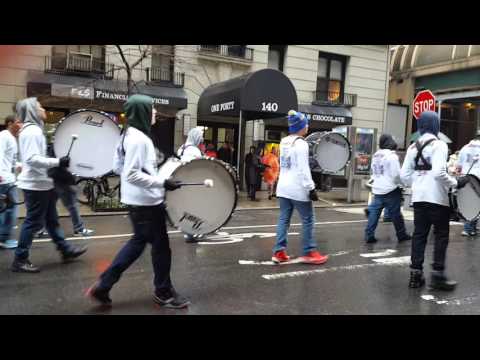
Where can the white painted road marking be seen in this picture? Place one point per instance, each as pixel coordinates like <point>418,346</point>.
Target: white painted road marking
<point>387,252</point>
<point>462,301</point>
<point>224,228</point>
<point>332,269</point>
<point>393,260</point>
<point>292,261</point>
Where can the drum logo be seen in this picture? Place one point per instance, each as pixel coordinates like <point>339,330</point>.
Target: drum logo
<point>89,120</point>
<point>197,222</point>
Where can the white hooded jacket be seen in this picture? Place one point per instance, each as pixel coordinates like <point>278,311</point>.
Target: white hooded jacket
<point>385,172</point>
<point>190,150</point>
<point>469,158</point>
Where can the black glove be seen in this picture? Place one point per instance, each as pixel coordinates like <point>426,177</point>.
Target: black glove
<point>171,185</point>
<point>313,195</point>
<point>64,162</point>
<point>462,181</point>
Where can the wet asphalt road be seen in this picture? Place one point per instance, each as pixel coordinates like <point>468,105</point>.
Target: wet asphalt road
<point>211,275</point>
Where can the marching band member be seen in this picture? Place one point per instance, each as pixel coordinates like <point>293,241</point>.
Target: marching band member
<point>143,192</point>
<point>425,169</point>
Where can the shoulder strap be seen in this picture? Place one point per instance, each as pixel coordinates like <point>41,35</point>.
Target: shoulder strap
<point>425,165</point>
<point>184,147</point>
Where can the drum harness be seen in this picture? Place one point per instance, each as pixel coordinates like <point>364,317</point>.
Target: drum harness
<point>425,165</point>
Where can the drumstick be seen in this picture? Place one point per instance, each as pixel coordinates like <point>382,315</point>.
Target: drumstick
<point>74,137</point>
<point>208,183</point>
<point>473,162</point>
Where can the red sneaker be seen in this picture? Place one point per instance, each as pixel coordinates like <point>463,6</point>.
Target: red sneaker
<point>280,256</point>
<point>314,257</point>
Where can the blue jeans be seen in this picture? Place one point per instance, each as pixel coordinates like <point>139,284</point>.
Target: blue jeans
<point>305,210</point>
<point>386,214</point>
<point>41,211</point>
<point>68,195</point>
<point>148,227</point>
<point>470,226</point>
<point>391,202</point>
<point>8,218</point>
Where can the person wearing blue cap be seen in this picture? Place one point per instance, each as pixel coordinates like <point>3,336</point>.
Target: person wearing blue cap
<point>425,168</point>
<point>296,190</point>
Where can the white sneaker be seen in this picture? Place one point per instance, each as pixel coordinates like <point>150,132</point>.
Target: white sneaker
<point>84,232</point>
<point>464,233</point>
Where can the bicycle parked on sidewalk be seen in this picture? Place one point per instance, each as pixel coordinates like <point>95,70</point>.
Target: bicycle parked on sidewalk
<point>99,193</point>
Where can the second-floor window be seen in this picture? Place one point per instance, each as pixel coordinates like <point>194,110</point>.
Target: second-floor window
<point>276,57</point>
<point>330,78</point>
<point>162,62</point>
<point>87,58</point>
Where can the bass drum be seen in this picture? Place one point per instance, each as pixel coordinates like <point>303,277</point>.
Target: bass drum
<point>466,200</point>
<point>198,210</point>
<point>92,153</point>
<point>330,150</point>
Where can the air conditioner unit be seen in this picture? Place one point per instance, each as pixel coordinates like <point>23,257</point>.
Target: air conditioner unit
<point>79,61</point>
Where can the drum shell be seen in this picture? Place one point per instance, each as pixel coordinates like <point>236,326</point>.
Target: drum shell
<point>466,201</point>
<point>330,159</point>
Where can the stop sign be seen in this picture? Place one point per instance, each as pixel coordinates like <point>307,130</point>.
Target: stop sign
<point>424,101</point>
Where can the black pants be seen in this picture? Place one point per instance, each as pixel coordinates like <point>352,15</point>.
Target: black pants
<point>252,189</point>
<point>149,227</point>
<point>426,215</point>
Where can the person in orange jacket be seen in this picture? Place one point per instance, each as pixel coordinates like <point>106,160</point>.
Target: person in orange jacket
<point>270,176</point>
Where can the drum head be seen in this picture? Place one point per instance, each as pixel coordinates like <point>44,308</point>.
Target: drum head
<point>332,152</point>
<point>198,210</point>
<point>468,199</point>
<point>92,153</point>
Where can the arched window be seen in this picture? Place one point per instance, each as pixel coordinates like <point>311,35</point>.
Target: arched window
<point>433,54</point>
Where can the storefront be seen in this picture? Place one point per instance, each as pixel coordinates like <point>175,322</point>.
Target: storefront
<point>225,108</point>
<point>60,95</point>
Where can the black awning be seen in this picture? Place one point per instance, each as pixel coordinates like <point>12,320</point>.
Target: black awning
<point>262,94</point>
<point>330,116</point>
<point>98,89</point>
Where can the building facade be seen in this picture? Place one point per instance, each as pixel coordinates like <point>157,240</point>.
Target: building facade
<point>452,73</point>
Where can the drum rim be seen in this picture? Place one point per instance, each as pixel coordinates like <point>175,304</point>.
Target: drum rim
<point>230,170</point>
<point>73,113</point>
<point>455,201</point>
<point>350,150</point>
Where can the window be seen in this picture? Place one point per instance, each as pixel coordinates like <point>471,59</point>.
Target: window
<point>79,57</point>
<point>330,78</point>
<point>276,57</point>
<point>162,62</point>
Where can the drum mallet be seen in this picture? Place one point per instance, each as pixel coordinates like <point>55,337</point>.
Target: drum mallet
<point>207,183</point>
<point>74,137</point>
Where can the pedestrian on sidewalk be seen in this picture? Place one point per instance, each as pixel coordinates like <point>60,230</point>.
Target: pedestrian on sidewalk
<point>143,193</point>
<point>386,190</point>
<point>38,188</point>
<point>9,166</point>
<point>210,151</point>
<point>68,195</point>
<point>189,151</point>
<point>253,166</point>
<point>270,176</point>
<point>296,190</point>
<point>425,168</point>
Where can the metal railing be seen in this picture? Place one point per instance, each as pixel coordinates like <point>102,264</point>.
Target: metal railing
<point>77,65</point>
<point>335,98</point>
<point>162,75</point>
<point>233,51</point>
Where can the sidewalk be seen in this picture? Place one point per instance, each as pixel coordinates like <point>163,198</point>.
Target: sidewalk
<point>334,198</point>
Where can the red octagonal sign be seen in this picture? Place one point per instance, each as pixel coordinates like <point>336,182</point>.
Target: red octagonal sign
<point>424,101</point>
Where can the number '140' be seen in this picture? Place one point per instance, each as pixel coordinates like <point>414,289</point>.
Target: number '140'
<point>269,106</point>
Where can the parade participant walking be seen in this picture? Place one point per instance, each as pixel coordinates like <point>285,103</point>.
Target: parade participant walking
<point>38,188</point>
<point>469,162</point>
<point>143,192</point>
<point>425,168</point>
<point>270,176</point>
<point>296,190</point>
<point>8,167</point>
<point>189,151</point>
<point>386,190</point>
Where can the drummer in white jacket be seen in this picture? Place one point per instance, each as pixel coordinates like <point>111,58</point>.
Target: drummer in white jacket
<point>296,190</point>
<point>468,162</point>
<point>190,151</point>
<point>425,168</point>
<point>142,190</point>
<point>386,190</point>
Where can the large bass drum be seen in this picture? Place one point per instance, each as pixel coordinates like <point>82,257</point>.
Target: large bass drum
<point>330,150</point>
<point>92,153</point>
<point>199,210</point>
<point>466,201</point>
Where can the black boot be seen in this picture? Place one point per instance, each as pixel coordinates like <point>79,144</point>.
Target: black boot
<point>416,279</point>
<point>24,266</point>
<point>440,282</point>
<point>73,253</point>
<point>101,296</point>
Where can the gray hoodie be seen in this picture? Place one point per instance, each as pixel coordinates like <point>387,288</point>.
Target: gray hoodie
<point>33,149</point>
<point>190,149</point>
